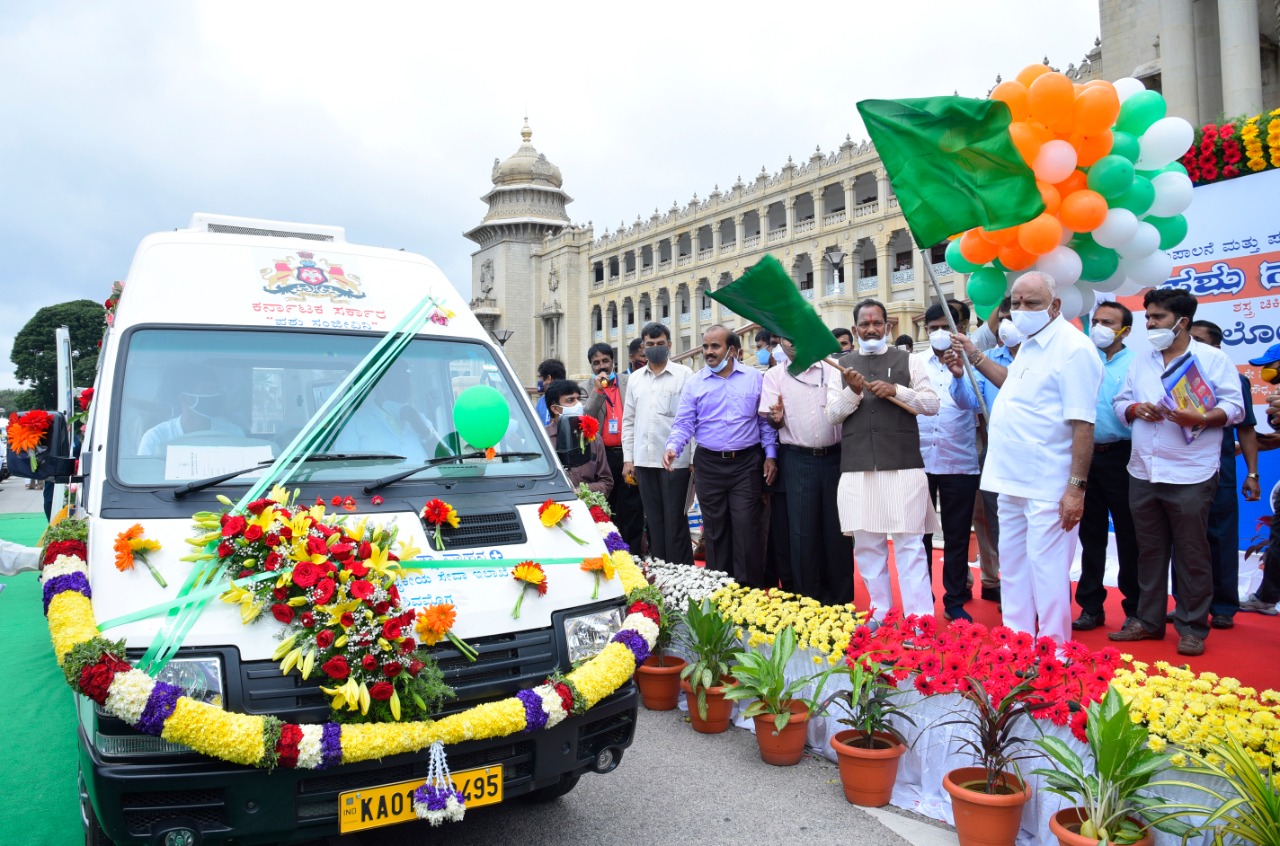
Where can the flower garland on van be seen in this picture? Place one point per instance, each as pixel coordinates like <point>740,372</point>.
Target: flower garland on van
<point>95,667</point>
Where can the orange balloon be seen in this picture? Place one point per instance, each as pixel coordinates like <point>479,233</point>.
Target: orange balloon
<point>1090,148</point>
<point>1014,95</point>
<point>977,249</point>
<point>1028,74</point>
<point>1096,110</point>
<point>1095,83</point>
<point>1001,237</point>
<point>1013,257</point>
<point>1039,235</point>
<point>1049,195</point>
<point>1075,182</point>
<point>1027,140</point>
<point>1083,211</point>
<point>1051,101</point>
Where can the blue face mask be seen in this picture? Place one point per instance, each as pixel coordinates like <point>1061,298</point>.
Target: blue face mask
<point>724,362</point>
<point>762,356</point>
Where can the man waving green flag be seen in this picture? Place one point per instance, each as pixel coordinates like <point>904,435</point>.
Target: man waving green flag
<point>952,164</point>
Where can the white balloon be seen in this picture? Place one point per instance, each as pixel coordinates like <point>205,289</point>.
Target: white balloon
<point>1129,288</point>
<point>1055,161</point>
<point>1165,141</point>
<point>1173,194</point>
<point>1063,264</point>
<point>1148,270</point>
<point>1072,301</point>
<point>1127,86</point>
<point>1111,283</point>
<point>1067,235</point>
<point>1117,229</point>
<point>1143,243</point>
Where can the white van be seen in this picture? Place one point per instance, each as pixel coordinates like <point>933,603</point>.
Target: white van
<point>228,336</point>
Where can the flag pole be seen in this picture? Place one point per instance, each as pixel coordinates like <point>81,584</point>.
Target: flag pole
<point>899,403</point>
<point>946,311</point>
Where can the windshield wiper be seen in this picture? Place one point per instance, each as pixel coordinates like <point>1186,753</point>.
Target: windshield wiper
<point>379,484</point>
<point>201,484</point>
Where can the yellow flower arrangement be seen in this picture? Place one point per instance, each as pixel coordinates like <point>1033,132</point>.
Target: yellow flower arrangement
<point>1254,154</point>
<point>760,615</point>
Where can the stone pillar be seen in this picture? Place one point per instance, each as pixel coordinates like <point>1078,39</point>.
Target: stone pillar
<point>790,205</point>
<point>715,238</point>
<point>1178,59</point>
<point>848,200</point>
<point>884,262</point>
<point>1241,60</point>
<point>738,227</point>
<point>882,189</point>
<point>818,209</point>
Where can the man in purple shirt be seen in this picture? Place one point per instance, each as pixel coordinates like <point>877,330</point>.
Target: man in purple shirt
<point>735,455</point>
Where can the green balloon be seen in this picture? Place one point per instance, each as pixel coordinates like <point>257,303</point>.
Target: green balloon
<point>1140,111</point>
<point>956,261</point>
<point>1172,230</point>
<point>986,286</point>
<point>1096,261</point>
<point>1138,198</point>
<point>1172,167</point>
<point>481,415</point>
<point>1124,144</point>
<point>1111,176</point>
<point>984,311</point>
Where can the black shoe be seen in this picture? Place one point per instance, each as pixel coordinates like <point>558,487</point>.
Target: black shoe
<point>1222,621</point>
<point>957,613</point>
<point>991,594</point>
<point>1087,622</point>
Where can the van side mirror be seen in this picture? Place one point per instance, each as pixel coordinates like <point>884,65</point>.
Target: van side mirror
<point>50,458</point>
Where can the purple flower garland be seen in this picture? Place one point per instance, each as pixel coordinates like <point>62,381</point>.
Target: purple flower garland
<point>535,718</point>
<point>632,639</point>
<point>77,582</point>
<point>614,543</point>
<point>160,705</point>
<point>330,746</point>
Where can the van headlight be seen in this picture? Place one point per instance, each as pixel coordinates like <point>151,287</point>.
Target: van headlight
<point>587,634</point>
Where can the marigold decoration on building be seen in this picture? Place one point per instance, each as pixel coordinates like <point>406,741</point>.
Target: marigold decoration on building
<point>439,513</point>
<point>553,514</point>
<point>26,433</point>
<point>131,547</point>
<point>435,622</point>
<point>601,567</point>
<point>588,428</point>
<point>528,574</point>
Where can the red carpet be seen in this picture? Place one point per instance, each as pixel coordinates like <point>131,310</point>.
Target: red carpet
<point>1249,652</point>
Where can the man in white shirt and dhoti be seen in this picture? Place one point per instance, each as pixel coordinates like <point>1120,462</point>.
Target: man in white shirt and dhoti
<point>883,489</point>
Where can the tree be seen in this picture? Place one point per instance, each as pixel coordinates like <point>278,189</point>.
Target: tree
<point>35,353</point>
<point>15,399</point>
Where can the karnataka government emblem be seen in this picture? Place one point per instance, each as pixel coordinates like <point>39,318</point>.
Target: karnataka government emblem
<point>302,276</point>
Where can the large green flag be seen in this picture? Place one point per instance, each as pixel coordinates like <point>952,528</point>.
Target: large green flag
<point>766,294</point>
<point>952,164</point>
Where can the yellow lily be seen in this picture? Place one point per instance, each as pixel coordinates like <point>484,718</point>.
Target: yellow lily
<point>408,550</point>
<point>394,702</point>
<point>284,647</point>
<point>308,663</point>
<point>290,660</point>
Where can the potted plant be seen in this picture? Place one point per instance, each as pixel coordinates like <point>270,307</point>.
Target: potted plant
<point>987,800</point>
<point>781,715</point>
<point>1107,802</point>
<point>659,676</point>
<point>868,751</point>
<point>710,639</point>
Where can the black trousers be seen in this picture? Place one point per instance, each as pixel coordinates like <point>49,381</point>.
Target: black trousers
<point>1269,590</point>
<point>1172,517</point>
<point>956,493</point>
<point>628,512</point>
<point>775,525</point>
<point>1108,494</point>
<point>1224,549</point>
<point>729,495</point>
<point>663,495</point>
<point>821,555</point>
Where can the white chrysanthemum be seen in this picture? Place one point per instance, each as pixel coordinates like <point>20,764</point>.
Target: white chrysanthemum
<point>63,565</point>
<point>127,697</point>
<point>309,756</point>
<point>551,704</point>
<point>645,627</point>
<point>606,528</point>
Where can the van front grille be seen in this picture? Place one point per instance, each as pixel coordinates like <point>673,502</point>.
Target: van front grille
<point>496,528</point>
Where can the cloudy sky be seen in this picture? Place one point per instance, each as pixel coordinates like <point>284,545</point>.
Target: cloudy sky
<point>121,119</point>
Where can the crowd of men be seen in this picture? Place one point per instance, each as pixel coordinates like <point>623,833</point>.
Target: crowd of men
<point>1027,431</point>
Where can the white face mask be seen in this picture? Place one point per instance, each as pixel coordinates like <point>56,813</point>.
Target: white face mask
<point>940,340</point>
<point>574,410</point>
<point>871,346</point>
<point>1161,339</point>
<point>1009,334</point>
<point>1030,322</point>
<point>1103,336</point>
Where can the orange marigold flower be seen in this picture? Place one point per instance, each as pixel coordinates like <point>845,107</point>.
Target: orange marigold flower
<point>591,565</point>
<point>531,572</point>
<point>551,513</point>
<point>22,439</point>
<point>124,549</point>
<point>434,623</point>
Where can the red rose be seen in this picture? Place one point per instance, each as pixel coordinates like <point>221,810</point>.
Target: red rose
<point>408,645</point>
<point>348,619</point>
<point>357,568</point>
<point>337,500</point>
<point>325,638</point>
<point>282,612</point>
<point>391,669</point>
<point>415,667</point>
<point>244,574</point>
<point>272,562</point>
<point>286,532</point>
<point>360,589</point>
<point>324,530</point>
<point>280,593</point>
<point>394,593</point>
<point>369,663</point>
<point>253,533</point>
<point>234,526</point>
<point>381,608</point>
<point>86,397</point>
<point>272,540</point>
<point>324,591</point>
<point>317,546</point>
<point>391,629</point>
<point>381,691</point>
<point>341,551</point>
<point>336,668</point>
<point>305,574</point>
<point>259,505</point>
<point>307,619</point>
<point>365,550</point>
<point>226,549</point>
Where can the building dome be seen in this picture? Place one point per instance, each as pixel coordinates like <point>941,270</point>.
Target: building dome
<point>526,165</point>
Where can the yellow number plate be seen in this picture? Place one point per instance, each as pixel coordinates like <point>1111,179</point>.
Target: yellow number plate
<point>373,807</point>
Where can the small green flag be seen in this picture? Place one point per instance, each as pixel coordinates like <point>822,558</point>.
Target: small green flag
<point>952,164</point>
<point>766,294</point>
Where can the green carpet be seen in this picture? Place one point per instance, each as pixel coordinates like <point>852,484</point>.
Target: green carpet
<point>38,800</point>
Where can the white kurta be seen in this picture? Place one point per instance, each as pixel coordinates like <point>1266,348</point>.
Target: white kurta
<point>885,501</point>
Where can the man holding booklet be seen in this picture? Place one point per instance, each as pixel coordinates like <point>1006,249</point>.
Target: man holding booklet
<point>1170,396</point>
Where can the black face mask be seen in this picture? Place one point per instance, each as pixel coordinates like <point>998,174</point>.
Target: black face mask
<point>658,355</point>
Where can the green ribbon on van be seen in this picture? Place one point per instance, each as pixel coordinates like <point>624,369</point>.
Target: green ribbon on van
<point>316,436</point>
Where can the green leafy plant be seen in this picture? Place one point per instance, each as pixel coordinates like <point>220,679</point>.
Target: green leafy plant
<point>1109,797</point>
<point>593,498</point>
<point>869,703</point>
<point>994,744</point>
<point>763,679</point>
<point>711,640</point>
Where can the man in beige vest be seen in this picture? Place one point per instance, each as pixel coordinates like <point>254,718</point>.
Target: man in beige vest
<point>883,488</point>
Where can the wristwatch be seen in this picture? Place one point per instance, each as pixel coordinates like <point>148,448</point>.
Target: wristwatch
<point>1077,482</point>
<point>1254,476</point>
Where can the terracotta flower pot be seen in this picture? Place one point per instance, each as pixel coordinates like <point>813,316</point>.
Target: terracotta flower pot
<point>719,709</point>
<point>660,686</point>
<point>1065,826</point>
<point>783,748</point>
<point>867,774</point>
<point>985,819</point>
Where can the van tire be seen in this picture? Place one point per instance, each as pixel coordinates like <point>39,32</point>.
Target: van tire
<point>552,792</point>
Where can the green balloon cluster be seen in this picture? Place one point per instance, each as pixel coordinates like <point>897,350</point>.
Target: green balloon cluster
<point>481,415</point>
<point>986,290</point>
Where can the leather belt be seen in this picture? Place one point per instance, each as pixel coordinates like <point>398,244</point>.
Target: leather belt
<point>814,451</point>
<point>1109,446</point>
<point>731,453</point>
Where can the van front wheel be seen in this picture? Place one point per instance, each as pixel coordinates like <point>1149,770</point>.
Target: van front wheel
<point>554,791</point>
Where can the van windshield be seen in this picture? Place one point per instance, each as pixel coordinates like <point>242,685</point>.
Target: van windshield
<point>198,403</point>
